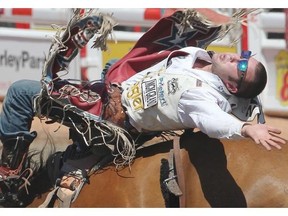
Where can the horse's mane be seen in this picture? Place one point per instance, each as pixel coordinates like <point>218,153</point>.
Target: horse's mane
<point>39,182</point>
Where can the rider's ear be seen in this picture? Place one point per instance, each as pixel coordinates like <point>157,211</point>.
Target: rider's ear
<point>233,89</point>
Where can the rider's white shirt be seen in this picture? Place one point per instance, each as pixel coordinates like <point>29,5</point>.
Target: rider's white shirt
<point>204,108</point>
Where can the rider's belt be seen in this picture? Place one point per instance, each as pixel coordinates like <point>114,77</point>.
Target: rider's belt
<point>113,110</point>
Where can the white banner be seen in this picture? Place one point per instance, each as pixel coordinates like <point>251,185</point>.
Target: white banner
<point>22,55</point>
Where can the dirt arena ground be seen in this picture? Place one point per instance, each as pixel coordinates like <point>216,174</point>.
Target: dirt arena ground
<point>57,134</point>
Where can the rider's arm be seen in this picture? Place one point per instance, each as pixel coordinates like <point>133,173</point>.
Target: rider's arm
<point>206,110</point>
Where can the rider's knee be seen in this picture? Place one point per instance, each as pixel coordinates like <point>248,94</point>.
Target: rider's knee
<point>21,87</point>
<point>21,84</point>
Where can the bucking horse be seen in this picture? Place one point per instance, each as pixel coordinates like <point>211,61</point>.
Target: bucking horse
<point>121,168</point>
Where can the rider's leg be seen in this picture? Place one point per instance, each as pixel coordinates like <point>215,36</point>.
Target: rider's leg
<point>75,39</point>
<point>15,123</point>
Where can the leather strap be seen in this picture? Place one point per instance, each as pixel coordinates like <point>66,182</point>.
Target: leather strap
<point>179,170</point>
<point>171,182</point>
<point>113,110</point>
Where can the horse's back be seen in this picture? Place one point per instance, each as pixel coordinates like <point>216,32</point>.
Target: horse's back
<point>217,173</point>
<point>262,174</point>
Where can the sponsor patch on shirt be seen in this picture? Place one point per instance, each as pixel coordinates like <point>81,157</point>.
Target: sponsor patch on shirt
<point>149,92</point>
<point>198,83</point>
<point>161,92</point>
<point>173,86</point>
<point>135,97</point>
<point>143,95</point>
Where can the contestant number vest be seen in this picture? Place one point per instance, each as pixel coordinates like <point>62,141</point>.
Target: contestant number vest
<point>153,101</point>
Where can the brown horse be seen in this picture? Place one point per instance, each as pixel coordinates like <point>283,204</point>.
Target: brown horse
<point>217,174</point>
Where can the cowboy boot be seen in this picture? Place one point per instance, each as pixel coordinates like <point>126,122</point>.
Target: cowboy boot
<point>14,153</point>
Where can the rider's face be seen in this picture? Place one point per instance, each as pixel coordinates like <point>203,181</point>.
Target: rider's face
<point>225,66</point>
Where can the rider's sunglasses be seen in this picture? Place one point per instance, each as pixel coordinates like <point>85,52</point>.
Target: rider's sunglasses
<point>242,65</point>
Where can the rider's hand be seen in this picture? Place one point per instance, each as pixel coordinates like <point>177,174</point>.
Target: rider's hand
<point>263,134</point>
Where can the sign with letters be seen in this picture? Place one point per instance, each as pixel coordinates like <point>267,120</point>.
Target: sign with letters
<point>22,56</point>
